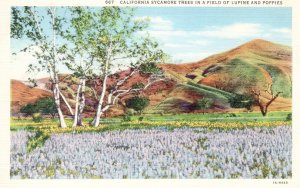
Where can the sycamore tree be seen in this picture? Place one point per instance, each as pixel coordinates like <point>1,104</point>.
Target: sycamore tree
<point>42,28</point>
<point>82,45</point>
<point>120,40</point>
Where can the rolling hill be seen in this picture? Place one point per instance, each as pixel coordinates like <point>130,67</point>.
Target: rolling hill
<point>217,77</point>
<point>22,94</point>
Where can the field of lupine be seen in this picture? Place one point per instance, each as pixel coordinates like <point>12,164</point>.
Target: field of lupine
<point>149,149</point>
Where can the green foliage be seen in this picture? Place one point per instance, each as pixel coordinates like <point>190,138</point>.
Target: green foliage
<point>37,141</point>
<point>241,101</point>
<point>37,117</point>
<point>29,109</point>
<point>212,89</point>
<point>138,103</point>
<point>31,23</point>
<point>149,68</point>
<point>289,117</point>
<point>280,80</point>
<point>126,117</point>
<point>138,85</point>
<point>265,170</point>
<point>16,25</point>
<point>203,104</point>
<point>47,106</point>
<point>245,75</point>
<point>218,97</point>
<point>81,34</point>
<point>232,115</point>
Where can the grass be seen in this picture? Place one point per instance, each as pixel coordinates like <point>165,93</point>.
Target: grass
<point>281,115</point>
<point>224,121</point>
<point>280,81</point>
<point>212,89</point>
<point>37,141</point>
<point>218,98</point>
<point>249,72</point>
<point>169,105</point>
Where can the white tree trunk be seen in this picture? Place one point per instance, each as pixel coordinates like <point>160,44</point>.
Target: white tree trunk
<point>75,117</point>
<point>57,103</point>
<point>80,103</point>
<point>96,120</point>
<point>98,114</point>
<point>56,91</point>
<point>67,103</point>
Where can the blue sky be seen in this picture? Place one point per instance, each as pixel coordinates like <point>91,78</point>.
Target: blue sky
<point>190,34</point>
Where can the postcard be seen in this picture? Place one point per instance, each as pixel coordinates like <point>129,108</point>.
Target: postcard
<point>150,93</point>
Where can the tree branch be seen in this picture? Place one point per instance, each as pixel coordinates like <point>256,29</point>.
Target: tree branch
<point>66,102</point>
<point>273,99</point>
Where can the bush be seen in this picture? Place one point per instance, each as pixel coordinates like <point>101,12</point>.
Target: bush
<point>36,141</point>
<point>232,115</point>
<point>203,104</point>
<point>29,109</point>
<point>149,68</point>
<point>289,117</point>
<point>45,106</point>
<point>130,112</point>
<point>37,117</point>
<point>138,86</point>
<point>141,118</point>
<point>126,118</point>
<point>241,101</point>
<point>138,103</point>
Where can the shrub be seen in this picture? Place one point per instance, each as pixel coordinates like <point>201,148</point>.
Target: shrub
<point>29,109</point>
<point>37,117</point>
<point>138,86</point>
<point>232,115</point>
<point>130,112</point>
<point>289,117</point>
<point>149,68</point>
<point>45,105</point>
<point>141,118</point>
<point>241,101</point>
<point>138,103</point>
<point>126,117</point>
<point>203,104</point>
<point>36,141</point>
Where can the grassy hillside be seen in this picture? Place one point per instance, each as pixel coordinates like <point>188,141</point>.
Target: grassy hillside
<point>21,94</point>
<point>217,77</point>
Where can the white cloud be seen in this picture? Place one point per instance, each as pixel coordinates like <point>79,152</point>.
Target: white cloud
<point>199,42</point>
<point>187,44</point>
<point>158,23</point>
<point>172,33</point>
<point>284,32</point>
<point>233,31</point>
<point>191,57</point>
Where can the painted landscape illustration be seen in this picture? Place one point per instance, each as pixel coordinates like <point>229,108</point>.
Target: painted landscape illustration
<point>161,92</point>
